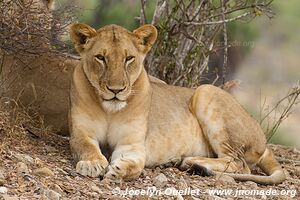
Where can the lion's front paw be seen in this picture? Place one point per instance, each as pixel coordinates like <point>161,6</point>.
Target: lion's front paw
<point>123,169</point>
<point>93,168</point>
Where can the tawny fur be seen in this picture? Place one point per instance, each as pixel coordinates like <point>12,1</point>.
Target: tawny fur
<point>159,123</point>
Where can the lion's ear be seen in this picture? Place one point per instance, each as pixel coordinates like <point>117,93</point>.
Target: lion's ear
<point>80,33</point>
<point>147,35</point>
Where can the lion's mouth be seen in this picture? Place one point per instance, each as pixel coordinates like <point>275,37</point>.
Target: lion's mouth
<point>114,99</point>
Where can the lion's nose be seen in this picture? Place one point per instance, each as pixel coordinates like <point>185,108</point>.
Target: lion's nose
<point>115,90</point>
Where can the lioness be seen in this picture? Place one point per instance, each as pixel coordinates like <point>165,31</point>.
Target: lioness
<point>116,111</point>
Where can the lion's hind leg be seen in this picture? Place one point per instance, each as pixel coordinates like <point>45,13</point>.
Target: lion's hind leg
<point>213,109</point>
<point>230,162</point>
<point>207,166</point>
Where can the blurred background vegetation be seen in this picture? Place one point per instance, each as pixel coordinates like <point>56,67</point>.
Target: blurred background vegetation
<point>264,55</point>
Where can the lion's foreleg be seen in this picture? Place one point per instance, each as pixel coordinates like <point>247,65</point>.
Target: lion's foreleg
<point>86,151</point>
<point>127,161</point>
<point>84,143</point>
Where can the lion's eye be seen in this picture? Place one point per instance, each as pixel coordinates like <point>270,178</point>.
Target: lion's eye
<point>100,58</point>
<point>129,59</point>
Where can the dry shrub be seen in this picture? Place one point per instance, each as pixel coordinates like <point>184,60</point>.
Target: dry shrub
<point>30,28</point>
<point>15,120</point>
<point>190,32</point>
<point>273,116</point>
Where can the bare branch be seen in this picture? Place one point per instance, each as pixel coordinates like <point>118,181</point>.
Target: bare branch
<point>220,21</point>
<point>225,56</point>
<point>143,19</point>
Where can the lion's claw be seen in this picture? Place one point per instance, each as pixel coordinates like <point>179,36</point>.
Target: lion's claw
<point>93,168</point>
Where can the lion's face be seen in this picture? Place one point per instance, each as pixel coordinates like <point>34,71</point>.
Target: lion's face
<point>112,59</point>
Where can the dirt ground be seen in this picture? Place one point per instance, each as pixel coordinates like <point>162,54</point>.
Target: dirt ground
<point>35,165</point>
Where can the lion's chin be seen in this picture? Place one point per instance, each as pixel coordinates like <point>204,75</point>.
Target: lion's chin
<point>113,106</point>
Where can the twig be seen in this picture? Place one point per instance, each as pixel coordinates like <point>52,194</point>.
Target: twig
<point>225,56</point>
<point>159,10</point>
<point>219,22</point>
<point>143,19</point>
<point>292,98</point>
<point>285,160</point>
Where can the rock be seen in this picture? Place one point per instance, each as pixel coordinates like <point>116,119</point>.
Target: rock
<point>39,190</point>
<point>51,195</point>
<point>1,174</point>
<point>49,149</point>
<point>62,171</point>
<point>2,178</point>
<point>225,179</point>
<point>287,174</point>
<point>57,189</point>
<point>22,168</point>
<point>38,162</point>
<point>7,197</point>
<point>179,197</point>
<point>2,182</point>
<point>63,161</point>
<point>160,180</point>
<point>218,198</point>
<point>24,158</point>
<point>44,171</point>
<point>27,177</point>
<point>3,190</point>
<point>251,184</point>
<point>96,189</point>
<point>297,171</point>
<point>263,196</point>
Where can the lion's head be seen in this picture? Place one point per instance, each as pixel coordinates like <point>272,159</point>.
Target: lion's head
<point>112,59</point>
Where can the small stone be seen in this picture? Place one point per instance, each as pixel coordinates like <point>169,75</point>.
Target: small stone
<point>22,168</point>
<point>24,158</point>
<point>44,171</point>
<point>2,178</point>
<point>57,189</point>
<point>160,180</point>
<point>62,171</point>
<point>3,190</point>
<point>218,198</point>
<point>2,182</point>
<point>96,189</point>
<point>38,162</point>
<point>251,184</point>
<point>27,177</point>
<point>49,149</point>
<point>179,197</point>
<point>7,197</point>
<point>52,195</point>
<point>1,174</point>
<point>297,171</point>
<point>38,191</point>
<point>287,174</point>
<point>225,179</point>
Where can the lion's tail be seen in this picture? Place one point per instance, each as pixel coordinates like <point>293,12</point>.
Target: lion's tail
<point>270,166</point>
